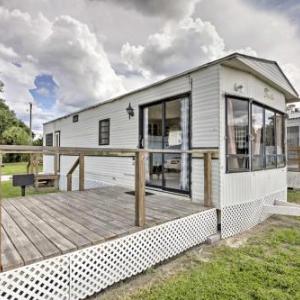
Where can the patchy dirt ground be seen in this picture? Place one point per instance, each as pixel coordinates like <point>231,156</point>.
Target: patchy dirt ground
<point>187,260</point>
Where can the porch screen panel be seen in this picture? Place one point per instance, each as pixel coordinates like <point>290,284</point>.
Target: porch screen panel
<point>237,135</point>
<point>257,137</point>
<point>270,139</point>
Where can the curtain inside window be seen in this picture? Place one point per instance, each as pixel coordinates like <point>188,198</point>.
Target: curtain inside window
<point>280,139</point>
<point>257,137</point>
<point>237,134</point>
<point>270,140</point>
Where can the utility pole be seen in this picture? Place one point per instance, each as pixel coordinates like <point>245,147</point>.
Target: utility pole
<point>30,120</point>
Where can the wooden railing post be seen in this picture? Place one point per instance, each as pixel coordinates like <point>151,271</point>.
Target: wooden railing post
<point>0,213</point>
<point>140,188</point>
<point>207,180</point>
<point>81,172</point>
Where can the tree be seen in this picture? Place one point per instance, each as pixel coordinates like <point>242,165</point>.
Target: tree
<point>9,119</point>
<point>38,142</point>
<point>16,136</point>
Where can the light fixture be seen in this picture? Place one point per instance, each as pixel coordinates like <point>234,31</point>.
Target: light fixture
<point>130,111</point>
<point>238,87</point>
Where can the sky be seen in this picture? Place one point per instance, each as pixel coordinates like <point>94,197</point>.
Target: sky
<point>66,55</point>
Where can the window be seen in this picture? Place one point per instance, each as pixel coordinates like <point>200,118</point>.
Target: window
<point>49,139</point>
<point>264,127</point>
<point>75,118</point>
<point>104,132</point>
<point>237,134</point>
<point>293,136</point>
<point>257,133</point>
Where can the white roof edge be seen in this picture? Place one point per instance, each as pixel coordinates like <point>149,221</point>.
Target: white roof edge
<point>185,73</point>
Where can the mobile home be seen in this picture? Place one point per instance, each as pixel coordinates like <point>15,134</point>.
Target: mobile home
<point>236,105</point>
<point>293,142</point>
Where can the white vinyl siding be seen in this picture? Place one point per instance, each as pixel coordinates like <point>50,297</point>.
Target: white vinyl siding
<point>250,186</point>
<point>205,108</point>
<point>270,71</point>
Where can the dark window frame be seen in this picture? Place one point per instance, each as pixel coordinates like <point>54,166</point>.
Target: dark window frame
<point>49,135</point>
<point>103,141</point>
<point>265,107</point>
<point>75,118</point>
<point>227,155</point>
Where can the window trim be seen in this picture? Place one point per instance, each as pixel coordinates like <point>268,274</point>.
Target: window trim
<point>49,134</point>
<point>99,135</point>
<point>245,170</point>
<point>75,118</point>
<point>250,156</point>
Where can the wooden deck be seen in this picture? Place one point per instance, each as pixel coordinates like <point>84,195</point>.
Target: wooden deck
<point>43,226</point>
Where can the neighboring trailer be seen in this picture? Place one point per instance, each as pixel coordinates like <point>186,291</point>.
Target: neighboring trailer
<point>235,104</point>
<point>293,142</point>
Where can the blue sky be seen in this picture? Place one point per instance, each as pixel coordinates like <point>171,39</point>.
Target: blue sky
<point>45,91</point>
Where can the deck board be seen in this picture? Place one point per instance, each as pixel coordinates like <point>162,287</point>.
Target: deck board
<point>41,226</point>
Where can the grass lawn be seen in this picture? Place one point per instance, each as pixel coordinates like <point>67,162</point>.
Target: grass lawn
<point>9,191</point>
<point>263,264</point>
<point>15,168</point>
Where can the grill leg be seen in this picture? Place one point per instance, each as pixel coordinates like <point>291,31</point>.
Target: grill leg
<point>23,190</point>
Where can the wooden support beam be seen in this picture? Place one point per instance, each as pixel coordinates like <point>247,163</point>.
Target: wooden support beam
<point>140,189</point>
<point>81,172</point>
<point>208,179</point>
<point>1,246</point>
<point>69,175</point>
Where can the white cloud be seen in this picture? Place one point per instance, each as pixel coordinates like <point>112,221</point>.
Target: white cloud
<point>64,48</point>
<point>271,34</point>
<point>178,46</point>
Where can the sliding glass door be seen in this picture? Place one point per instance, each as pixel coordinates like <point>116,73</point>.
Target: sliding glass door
<point>166,126</point>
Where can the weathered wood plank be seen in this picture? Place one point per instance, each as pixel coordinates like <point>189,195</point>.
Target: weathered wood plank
<point>80,216</point>
<point>24,246</point>
<point>51,234</point>
<point>10,256</point>
<point>82,230</point>
<point>77,239</point>
<point>45,247</point>
<point>95,212</point>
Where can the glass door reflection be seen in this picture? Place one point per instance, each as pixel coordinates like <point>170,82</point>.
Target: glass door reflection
<point>166,126</point>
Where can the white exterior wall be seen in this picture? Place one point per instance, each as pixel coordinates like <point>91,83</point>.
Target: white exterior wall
<point>124,132</point>
<point>205,129</point>
<point>238,188</point>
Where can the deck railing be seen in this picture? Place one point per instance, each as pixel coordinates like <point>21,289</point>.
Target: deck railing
<point>293,158</point>
<point>138,154</point>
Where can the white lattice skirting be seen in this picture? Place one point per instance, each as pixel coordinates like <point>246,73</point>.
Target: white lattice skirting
<point>85,272</point>
<point>238,218</point>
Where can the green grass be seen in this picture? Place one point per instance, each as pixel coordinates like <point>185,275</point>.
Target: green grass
<point>267,267</point>
<point>16,168</point>
<point>9,191</point>
<point>294,196</point>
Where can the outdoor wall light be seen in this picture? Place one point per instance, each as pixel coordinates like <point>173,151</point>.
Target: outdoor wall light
<point>238,88</point>
<point>130,111</point>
